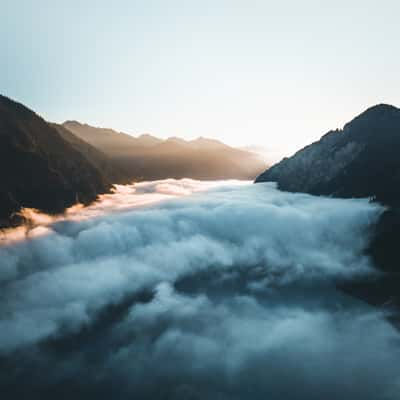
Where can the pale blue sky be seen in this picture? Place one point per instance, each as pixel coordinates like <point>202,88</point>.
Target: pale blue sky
<point>274,73</point>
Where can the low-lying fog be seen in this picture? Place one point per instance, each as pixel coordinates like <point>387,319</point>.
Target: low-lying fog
<point>228,294</point>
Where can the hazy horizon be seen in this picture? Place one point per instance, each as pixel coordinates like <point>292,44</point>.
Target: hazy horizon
<point>246,73</point>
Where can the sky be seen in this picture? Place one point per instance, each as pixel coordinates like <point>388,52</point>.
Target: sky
<point>268,73</point>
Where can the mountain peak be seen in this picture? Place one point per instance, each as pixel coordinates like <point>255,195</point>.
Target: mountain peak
<point>377,111</point>
<point>71,122</point>
<point>147,140</point>
<point>204,142</point>
<point>359,161</point>
<point>376,115</point>
<point>381,107</point>
<point>176,139</point>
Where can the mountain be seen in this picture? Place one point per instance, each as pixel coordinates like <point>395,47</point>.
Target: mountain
<point>40,169</point>
<point>152,158</point>
<point>147,140</point>
<point>205,143</point>
<point>361,160</point>
<point>113,173</point>
<point>176,160</point>
<point>109,141</point>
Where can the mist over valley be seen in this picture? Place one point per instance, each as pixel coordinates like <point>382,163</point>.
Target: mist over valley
<point>199,200</point>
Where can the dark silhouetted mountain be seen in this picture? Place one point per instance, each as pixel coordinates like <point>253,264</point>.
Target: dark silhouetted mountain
<point>362,160</point>
<point>38,168</point>
<point>152,158</point>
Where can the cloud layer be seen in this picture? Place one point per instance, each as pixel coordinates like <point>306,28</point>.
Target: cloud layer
<point>229,294</point>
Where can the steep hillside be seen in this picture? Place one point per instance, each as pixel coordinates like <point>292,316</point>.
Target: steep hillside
<point>38,168</point>
<point>362,160</point>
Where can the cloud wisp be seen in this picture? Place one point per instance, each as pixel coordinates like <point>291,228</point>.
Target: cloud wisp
<point>224,295</point>
<point>121,198</point>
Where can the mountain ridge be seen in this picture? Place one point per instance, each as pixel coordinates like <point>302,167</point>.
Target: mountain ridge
<point>97,158</point>
<point>358,161</point>
<point>38,168</point>
<point>201,140</point>
<point>174,157</point>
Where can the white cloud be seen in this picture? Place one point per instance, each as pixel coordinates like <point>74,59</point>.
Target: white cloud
<point>243,282</point>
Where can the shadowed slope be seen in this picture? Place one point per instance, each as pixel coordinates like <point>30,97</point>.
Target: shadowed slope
<point>38,168</point>
<point>362,160</point>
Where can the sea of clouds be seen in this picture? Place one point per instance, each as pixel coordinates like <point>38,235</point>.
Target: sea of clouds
<point>227,294</point>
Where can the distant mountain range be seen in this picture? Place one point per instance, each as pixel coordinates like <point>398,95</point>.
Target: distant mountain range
<point>361,160</point>
<point>153,158</point>
<point>109,141</point>
<point>50,167</point>
<point>96,157</point>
